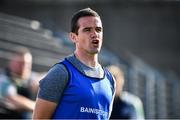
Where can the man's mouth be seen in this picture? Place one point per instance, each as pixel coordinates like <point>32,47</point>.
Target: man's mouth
<point>95,42</point>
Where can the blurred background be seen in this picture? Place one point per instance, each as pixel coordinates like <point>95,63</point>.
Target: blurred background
<point>140,36</point>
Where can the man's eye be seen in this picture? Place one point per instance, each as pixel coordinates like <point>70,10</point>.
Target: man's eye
<point>98,29</point>
<point>87,29</point>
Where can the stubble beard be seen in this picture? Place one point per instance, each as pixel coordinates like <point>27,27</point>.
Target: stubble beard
<point>94,51</point>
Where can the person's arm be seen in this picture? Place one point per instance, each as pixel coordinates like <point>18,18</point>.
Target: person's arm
<point>43,109</point>
<point>20,103</point>
<point>51,88</point>
<point>15,101</point>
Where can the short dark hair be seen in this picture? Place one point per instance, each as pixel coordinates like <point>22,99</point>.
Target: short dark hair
<point>81,13</point>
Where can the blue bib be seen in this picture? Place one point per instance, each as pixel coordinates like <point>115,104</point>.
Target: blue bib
<point>85,97</point>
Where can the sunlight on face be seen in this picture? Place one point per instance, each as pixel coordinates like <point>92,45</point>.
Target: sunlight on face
<point>21,65</point>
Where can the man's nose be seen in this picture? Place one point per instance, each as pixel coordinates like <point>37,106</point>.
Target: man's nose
<point>94,34</point>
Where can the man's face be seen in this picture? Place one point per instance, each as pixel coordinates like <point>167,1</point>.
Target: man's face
<point>21,65</point>
<point>90,35</point>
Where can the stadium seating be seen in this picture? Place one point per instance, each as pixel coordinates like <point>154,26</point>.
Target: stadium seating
<point>16,31</point>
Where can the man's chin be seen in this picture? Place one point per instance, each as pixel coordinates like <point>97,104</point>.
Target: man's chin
<point>95,52</point>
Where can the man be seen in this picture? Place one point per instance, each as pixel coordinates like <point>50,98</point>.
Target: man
<point>78,87</point>
<point>15,89</point>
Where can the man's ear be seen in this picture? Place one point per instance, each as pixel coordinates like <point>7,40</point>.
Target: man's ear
<point>72,36</point>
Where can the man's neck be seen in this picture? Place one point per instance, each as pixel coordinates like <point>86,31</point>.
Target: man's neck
<point>87,59</point>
